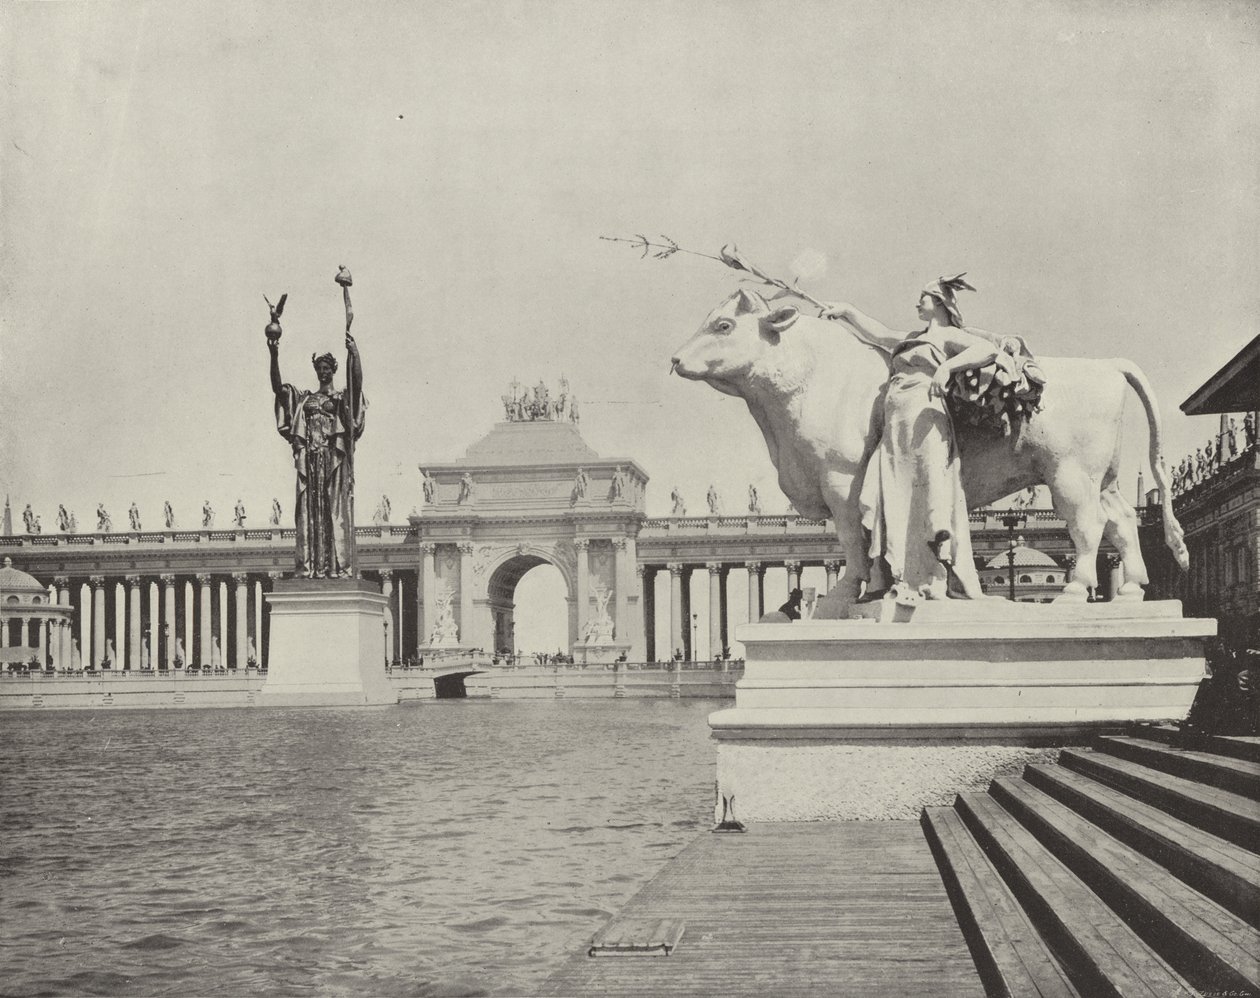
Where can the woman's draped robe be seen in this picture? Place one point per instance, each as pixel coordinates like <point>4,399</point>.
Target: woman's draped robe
<point>912,489</point>
<point>322,430</point>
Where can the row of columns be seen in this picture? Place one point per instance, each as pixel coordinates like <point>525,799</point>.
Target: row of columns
<point>202,627</point>
<point>680,636</point>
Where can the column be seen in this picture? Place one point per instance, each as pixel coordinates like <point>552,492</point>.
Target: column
<point>621,575</point>
<point>724,613</point>
<point>425,593</point>
<point>25,636</point>
<point>225,647</point>
<point>133,634</point>
<point>203,649</point>
<point>189,657</point>
<point>61,650</point>
<point>833,573</point>
<point>689,631</point>
<point>85,624</point>
<point>794,575</point>
<point>583,594</point>
<point>675,608</point>
<point>258,614</point>
<point>120,625</point>
<point>466,636</point>
<point>168,626</point>
<point>42,642</point>
<point>154,631</point>
<point>646,578</point>
<point>4,633</point>
<point>715,609</point>
<point>387,590</point>
<point>754,590</point>
<point>400,626</point>
<point>98,620</point>
<point>242,619</point>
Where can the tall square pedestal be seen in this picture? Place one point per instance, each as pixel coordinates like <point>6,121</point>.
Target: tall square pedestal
<point>876,718</point>
<point>326,646</point>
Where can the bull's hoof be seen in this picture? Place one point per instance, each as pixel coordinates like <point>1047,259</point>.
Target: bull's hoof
<point>1073,592</point>
<point>1130,592</point>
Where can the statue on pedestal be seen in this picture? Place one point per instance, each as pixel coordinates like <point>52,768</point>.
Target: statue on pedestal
<point>466,486</point>
<point>276,512</point>
<point>679,507</point>
<point>63,519</point>
<point>754,501</point>
<point>711,497</point>
<point>238,515</point>
<point>103,523</point>
<point>893,435</point>
<point>207,514</point>
<point>133,517</point>
<point>322,427</point>
<point>168,514</point>
<point>428,485</point>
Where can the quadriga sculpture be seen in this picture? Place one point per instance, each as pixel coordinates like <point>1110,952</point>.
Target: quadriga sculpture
<point>816,393</point>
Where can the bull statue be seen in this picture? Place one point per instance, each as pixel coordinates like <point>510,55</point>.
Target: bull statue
<point>816,392</point>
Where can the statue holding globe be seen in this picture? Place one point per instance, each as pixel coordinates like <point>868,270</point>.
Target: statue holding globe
<point>322,427</point>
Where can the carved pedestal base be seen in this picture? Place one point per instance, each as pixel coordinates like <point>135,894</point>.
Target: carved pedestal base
<point>598,654</point>
<point>326,646</point>
<point>875,718</point>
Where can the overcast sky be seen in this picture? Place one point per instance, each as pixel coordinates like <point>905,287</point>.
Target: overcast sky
<point>1092,167</point>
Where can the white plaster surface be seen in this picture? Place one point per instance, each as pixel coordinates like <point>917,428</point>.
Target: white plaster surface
<point>325,648</point>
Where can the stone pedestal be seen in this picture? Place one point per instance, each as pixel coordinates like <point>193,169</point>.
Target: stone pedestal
<point>325,647</point>
<point>599,654</point>
<point>878,717</point>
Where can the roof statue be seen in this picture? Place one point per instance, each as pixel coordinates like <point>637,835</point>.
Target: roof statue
<point>528,405</point>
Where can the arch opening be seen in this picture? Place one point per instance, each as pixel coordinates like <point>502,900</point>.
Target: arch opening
<point>530,606</point>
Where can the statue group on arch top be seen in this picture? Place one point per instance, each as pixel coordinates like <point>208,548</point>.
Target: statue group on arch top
<point>894,435</point>
<point>528,405</point>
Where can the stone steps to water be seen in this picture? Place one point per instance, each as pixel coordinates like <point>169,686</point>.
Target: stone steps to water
<point>1229,815</point>
<point>1228,874</point>
<point>1130,869</point>
<point>1238,776</point>
<point>1236,746</point>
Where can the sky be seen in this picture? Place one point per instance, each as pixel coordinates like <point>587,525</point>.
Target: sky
<point>1092,167</point>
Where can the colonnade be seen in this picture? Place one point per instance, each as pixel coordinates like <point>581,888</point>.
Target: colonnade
<point>163,621</point>
<point>680,611</point>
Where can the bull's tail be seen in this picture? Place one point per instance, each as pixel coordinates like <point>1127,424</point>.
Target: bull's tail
<point>1174,536</point>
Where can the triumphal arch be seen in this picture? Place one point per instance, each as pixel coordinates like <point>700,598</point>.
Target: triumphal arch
<point>530,492</point>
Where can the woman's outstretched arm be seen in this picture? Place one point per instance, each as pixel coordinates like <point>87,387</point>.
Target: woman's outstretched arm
<point>868,330</point>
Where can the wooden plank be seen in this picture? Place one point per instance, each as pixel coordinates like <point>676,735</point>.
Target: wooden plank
<point>1227,873</point>
<point>1235,775</point>
<point>1101,954</point>
<point>1010,955</point>
<point>1206,944</point>
<point>1220,812</point>
<point>1235,746</point>
<point>853,908</point>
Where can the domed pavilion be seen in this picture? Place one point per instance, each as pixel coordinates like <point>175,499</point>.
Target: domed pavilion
<point>1038,577</point>
<point>34,631</point>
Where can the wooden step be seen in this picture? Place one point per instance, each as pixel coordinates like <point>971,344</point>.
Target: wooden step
<point>1236,746</point>
<point>1009,953</point>
<point>1220,812</point>
<point>1238,776</point>
<point>1228,874</point>
<point>1101,955</point>
<point>1207,945</point>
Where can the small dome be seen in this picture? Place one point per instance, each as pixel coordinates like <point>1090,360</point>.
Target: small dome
<point>14,580</point>
<point>1025,557</point>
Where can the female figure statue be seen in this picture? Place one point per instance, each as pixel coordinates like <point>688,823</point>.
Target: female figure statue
<point>912,497</point>
<point>322,426</point>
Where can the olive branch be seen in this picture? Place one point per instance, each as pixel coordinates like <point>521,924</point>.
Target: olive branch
<point>730,256</point>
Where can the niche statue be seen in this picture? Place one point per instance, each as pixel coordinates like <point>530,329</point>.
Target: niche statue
<point>322,427</point>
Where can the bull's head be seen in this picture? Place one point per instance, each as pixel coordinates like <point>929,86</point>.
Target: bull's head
<point>732,340</point>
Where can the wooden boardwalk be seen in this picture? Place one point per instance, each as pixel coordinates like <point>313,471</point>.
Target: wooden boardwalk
<point>810,909</point>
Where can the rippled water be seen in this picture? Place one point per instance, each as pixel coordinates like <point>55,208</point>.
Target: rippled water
<point>458,847</point>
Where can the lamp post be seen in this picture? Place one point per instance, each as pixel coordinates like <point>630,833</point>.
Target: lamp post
<point>695,623</point>
<point>1012,521</point>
